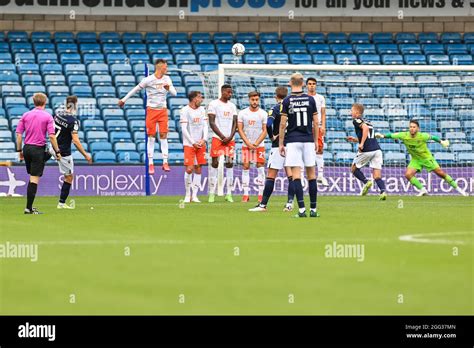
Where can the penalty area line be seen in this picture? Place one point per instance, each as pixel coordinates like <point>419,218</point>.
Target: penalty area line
<point>431,238</point>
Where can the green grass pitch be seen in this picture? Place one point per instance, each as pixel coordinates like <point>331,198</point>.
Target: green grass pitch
<point>146,255</point>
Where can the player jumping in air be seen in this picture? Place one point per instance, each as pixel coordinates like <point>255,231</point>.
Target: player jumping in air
<point>321,107</point>
<point>251,124</point>
<point>275,161</point>
<point>157,87</point>
<point>301,138</point>
<point>369,152</point>
<point>194,126</point>
<point>421,156</point>
<point>222,114</point>
<point>67,127</point>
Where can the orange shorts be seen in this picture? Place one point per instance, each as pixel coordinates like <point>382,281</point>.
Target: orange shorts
<point>193,156</point>
<point>154,116</point>
<point>253,156</point>
<point>320,142</point>
<point>219,149</point>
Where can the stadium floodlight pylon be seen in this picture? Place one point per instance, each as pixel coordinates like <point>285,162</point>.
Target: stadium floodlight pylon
<point>439,96</point>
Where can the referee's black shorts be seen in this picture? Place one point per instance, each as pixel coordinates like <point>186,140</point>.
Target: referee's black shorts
<point>35,159</point>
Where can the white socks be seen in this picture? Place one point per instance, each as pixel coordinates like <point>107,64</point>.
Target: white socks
<point>196,184</point>
<point>320,165</point>
<point>187,183</point>
<point>261,180</point>
<point>212,180</point>
<point>164,149</point>
<point>229,173</point>
<point>246,181</point>
<point>150,149</point>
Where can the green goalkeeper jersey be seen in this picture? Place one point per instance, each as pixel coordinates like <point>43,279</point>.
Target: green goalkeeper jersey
<point>416,146</point>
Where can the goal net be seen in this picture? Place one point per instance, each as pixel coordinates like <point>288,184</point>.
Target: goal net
<point>439,97</point>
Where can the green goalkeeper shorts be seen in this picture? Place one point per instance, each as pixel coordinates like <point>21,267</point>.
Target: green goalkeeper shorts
<point>429,164</point>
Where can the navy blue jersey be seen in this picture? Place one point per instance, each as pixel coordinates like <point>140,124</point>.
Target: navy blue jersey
<point>273,123</point>
<point>371,143</point>
<point>65,124</point>
<point>300,109</point>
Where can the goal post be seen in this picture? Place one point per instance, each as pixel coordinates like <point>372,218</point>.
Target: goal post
<point>440,97</point>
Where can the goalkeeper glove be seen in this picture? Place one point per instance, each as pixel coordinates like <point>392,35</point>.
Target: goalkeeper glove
<point>379,135</point>
<point>444,143</point>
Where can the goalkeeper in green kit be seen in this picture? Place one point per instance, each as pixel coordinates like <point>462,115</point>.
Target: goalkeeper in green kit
<point>421,157</point>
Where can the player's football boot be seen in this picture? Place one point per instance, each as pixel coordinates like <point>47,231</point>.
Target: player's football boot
<point>228,198</point>
<point>366,188</point>
<point>195,200</point>
<point>300,215</point>
<point>462,192</point>
<point>187,199</point>
<point>212,198</point>
<point>314,214</point>
<point>151,169</point>
<point>288,207</point>
<point>245,199</point>
<point>423,192</point>
<point>64,206</point>
<point>322,180</point>
<point>166,167</point>
<point>260,198</point>
<point>33,211</point>
<point>258,208</point>
<point>383,196</point>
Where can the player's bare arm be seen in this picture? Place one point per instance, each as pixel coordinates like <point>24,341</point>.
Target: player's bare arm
<point>262,136</point>
<point>213,125</point>
<point>19,149</point>
<point>281,134</point>
<point>316,131</point>
<point>54,142</point>
<point>352,139</point>
<point>323,121</point>
<point>132,92</point>
<point>234,129</point>
<point>80,148</point>
<point>240,129</point>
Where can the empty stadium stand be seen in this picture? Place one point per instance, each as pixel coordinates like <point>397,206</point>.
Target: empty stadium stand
<point>99,68</point>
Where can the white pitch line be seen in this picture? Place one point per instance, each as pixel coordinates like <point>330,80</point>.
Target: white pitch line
<point>198,242</point>
<point>425,238</point>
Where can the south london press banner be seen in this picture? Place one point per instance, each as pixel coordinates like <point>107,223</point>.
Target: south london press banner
<point>97,180</point>
<point>215,8</point>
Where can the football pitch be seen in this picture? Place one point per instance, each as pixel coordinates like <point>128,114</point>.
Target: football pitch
<point>151,256</point>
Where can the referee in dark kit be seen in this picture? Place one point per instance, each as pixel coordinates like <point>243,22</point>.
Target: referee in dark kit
<point>35,124</point>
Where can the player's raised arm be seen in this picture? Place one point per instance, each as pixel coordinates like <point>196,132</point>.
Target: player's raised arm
<point>399,135</point>
<point>132,92</point>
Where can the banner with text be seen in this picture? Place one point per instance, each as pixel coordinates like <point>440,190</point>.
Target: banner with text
<point>280,8</point>
<point>130,181</point>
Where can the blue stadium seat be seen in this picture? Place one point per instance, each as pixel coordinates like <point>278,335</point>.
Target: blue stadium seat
<point>225,38</point>
<point>277,58</point>
<point>268,38</point>
<point>109,37</point>
<point>44,48</point>
<point>116,125</point>
<point>449,38</point>
<point>11,91</point>
<point>82,91</point>
<point>465,59</point>
<point>456,49</point>
<point>200,38</point>
<point>254,59</point>
<point>112,48</point>
<point>135,48</point>
<point>365,49</point>
<point>428,38</point>
<point>128,157</point>
<point>394,158</point>
<point>47,58</point>
<point>300,59</point>
<point>157,38</point>
<point>466,158</point>
<point>359,38</point>
<point>93,48</point>
<point>17,36</point>
<point>177,38</point>
<point>341,48</point>
<point>410,49</point>
<point>104,157</point>
<point>387,48</point>
<point>382,38</point>
<point>415,59</point>
<point>132,38</point>
<point>314,38</point>
<point>319,49</point>
<point>346,59</point>
<point>115,114</point>
<point>369,59</point>
<point>273,48</point>
<point>438,60</point>
<point>66,48</point>
<point>295,48</point>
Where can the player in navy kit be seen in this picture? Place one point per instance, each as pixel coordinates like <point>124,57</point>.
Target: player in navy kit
<point>275,160</point>
<point>67,127</point>
<point>301,138</point>
<point>369,152</point>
